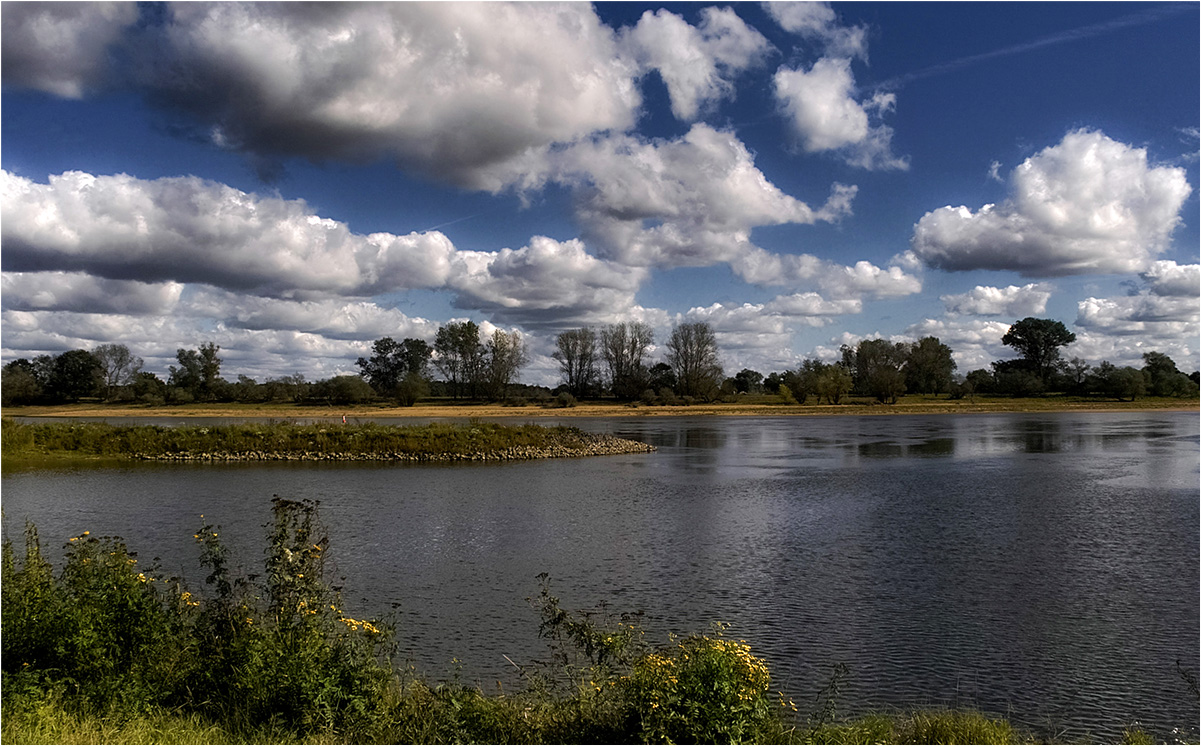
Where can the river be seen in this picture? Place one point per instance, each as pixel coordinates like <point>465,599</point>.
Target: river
<point>1044,567</point>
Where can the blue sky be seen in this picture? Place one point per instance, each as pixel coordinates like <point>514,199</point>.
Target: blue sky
<point>294,182</point>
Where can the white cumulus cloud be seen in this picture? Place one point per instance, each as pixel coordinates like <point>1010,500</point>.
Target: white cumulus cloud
<point>818,21</point>
<point>690,201</point>
<point>547,282</point>
<point>190,230</point>
<point>61,48</point>
<point>333,318</point>
<point>448,89</point>
<point>825,115</point>
<point>1088,204</point>
<point>76,291</point>
<point>839,281</point>
<point>697,63</point>
<point>1013,300</point>
<point>1143,314</point>
<point>1167,278</point>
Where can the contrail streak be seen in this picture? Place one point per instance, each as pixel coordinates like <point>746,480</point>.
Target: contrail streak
<point>452,222</point>
<point>1084,32</point>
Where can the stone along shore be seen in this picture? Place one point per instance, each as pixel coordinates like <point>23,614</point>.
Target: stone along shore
<point>575,445</point>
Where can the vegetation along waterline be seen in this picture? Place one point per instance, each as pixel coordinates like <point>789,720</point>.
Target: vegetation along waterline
<point>436,442</point>
<point>743,406</point>
<point>106,649</point>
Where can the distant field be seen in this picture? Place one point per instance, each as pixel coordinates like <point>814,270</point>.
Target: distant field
<point>911,405</point>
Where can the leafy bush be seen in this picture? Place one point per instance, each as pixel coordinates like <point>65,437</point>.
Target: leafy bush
<point>109,634</point>
<point>289,652</point>
<point>565,399</point>
<point>411,388</point>
<point>106,638</point>
<point>702,689</point>
<point>344,390</point>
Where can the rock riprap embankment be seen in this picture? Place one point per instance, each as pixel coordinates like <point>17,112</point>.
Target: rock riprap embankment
<point>576,445</point>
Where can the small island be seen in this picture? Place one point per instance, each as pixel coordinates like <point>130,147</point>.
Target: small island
<point>287,441</point>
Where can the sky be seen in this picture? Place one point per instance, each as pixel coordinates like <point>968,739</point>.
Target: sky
<point>293,182</point>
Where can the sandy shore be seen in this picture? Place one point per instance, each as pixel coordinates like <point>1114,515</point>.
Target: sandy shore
<point>908,406</point>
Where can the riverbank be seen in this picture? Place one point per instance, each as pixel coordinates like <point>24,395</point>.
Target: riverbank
<point>282,441</point>
<point>745,407</point>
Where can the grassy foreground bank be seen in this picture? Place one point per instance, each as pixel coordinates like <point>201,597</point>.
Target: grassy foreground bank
<point>106,650</point>
<point>368,441</point>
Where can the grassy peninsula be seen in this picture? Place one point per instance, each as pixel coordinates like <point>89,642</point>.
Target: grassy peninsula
<point>281,441</point>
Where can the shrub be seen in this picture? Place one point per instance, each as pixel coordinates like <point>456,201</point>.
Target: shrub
<point>178,396</point>
<point>108,632</point>
<point>283,650</point>
<point>411,388</point>
<point>106,638</point>
<point>565,399</point>
<point>701,689</point>
<point>344,390</point>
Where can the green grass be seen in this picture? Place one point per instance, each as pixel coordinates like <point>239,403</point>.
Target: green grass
<point>471,717</point>
<point>280,440</point>
<point>918,727</point>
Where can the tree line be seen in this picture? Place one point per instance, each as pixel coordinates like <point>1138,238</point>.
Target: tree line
<point>613,362</point>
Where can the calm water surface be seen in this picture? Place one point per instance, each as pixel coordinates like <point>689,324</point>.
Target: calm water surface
<point>1044,567</point>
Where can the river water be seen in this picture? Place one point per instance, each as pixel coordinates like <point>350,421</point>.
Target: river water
<point>1040,566</point>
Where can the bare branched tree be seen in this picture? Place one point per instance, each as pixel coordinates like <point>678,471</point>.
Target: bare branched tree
<point>576,351</point>
<point>623,346</point>
<point>505,357</point>
<point>693,356</point>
